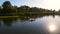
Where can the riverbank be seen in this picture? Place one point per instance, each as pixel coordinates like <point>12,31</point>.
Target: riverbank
<point>23,14</point>
<point>9,16</point>
<point>39,13</point>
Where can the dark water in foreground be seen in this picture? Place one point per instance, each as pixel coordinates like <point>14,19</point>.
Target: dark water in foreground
<point>38,25</point>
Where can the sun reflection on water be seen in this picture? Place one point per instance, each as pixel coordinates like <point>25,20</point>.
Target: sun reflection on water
<point>52,27</point>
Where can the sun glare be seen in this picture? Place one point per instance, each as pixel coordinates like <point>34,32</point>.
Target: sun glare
<point>52,4</point>
<point>52,27</point>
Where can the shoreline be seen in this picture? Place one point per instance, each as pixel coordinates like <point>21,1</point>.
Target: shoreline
<point>9,16</point>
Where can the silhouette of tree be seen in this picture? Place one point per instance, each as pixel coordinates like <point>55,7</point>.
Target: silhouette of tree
<point>0,7</point>
<point>7,8</point>
<point>6,3</point>
<point>24,8</point>
<point>34,9</point>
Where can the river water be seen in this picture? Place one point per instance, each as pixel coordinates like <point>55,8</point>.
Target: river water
<point>35,25</point>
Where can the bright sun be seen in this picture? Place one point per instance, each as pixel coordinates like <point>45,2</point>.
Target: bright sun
<point>53,4</point>
<point>52,27</point>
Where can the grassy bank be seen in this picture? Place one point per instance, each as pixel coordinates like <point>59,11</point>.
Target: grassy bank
<point>39,13</point>
<point>9,16</point>
<point>30,14</point>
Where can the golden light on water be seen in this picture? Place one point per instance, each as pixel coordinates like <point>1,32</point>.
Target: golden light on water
<point>52,27</point>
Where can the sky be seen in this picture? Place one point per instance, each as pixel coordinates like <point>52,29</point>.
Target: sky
<point>47,4</point>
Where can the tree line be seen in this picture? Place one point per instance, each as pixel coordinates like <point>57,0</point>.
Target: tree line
<point>8,10</point>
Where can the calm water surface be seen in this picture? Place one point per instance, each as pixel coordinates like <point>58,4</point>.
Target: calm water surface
<point>40,25</point>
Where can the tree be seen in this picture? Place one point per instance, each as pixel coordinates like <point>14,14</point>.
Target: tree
<point>0,8</point>
<point>59,10</point>
<point>7,8</point>
<point>6,4</point>
<point>53,11</point>
<point>15,10</point>
<point>24,8</point>
<point>34,9</point>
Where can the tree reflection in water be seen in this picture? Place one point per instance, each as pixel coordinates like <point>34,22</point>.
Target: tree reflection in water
<point>8,21</point>
<point>35,27</point>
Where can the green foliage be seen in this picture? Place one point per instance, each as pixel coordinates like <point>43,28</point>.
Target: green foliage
<point>7,6</point>
<point>0,8</point>
<point>24,8</point>
<point>6,3</point>
<point>10,10</point>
